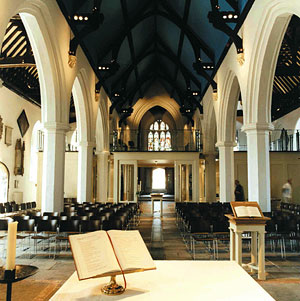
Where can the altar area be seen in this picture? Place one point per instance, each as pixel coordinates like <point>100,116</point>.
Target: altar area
<point>173,280</point>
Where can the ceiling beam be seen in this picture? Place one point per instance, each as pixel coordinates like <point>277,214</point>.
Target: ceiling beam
<point>188,30</point>
<point>196,42</point>
<point>125,75</point>
<point>130,41</point>
<point>180,44</point>
<point>173,57</point>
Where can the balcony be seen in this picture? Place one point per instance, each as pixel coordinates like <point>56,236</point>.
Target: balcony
<point>144,141</point>
<point>281,140</point>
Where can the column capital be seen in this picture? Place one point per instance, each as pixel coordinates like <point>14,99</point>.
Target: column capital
<point>257,127</point>
<point>53,126</point>
<point>103,153</point>
<point>225,144</point>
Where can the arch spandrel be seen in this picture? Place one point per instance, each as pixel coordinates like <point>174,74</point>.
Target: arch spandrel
<point>271,21</point>
<point>144,105</point>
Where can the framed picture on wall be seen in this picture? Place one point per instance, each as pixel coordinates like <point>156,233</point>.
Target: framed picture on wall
<point>23,123</point>
<point>8,135</point>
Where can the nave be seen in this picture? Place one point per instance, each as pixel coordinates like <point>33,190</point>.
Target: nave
<point>165,242</point>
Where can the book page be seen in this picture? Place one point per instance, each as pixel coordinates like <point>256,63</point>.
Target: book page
<point>253,211</point>
<point>131,250</point>
<point>247,211</point>
<point>241,211</point>
<point>93,254</point>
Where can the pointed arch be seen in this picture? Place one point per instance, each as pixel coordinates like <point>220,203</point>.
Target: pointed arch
<point>226,122</point>
<point>262,65</point>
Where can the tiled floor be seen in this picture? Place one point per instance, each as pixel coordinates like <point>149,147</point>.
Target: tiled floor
<point>165,243</point>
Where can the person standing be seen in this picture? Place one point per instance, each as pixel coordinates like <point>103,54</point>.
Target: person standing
<point>287,191</point>
<point>239,192</point>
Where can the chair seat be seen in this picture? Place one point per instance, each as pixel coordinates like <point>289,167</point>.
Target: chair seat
<point>22,236</point>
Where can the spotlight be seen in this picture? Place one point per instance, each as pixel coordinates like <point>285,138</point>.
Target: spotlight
<point>75,17</point>
<point>80,18</point>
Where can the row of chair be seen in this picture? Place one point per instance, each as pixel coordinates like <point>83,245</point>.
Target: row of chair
<point>203,223</point>
<point>54,227</point>
<point>207,223</point>
<point>290,208</point>
<point>13,207</point>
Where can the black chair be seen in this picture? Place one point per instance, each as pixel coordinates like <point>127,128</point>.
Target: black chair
<point>200,232</point>
<point>46,231</point>
<point>66,228</point>
<point>8,207</point>
<point>115,224</point>
<point>25,231</point>
<point>19,218</point>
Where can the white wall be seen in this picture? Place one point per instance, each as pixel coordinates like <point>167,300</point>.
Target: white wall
<point>11,106</point>
<point>283,166</point>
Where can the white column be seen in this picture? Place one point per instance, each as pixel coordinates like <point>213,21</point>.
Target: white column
<point>226,171</point>
<point>85,172</point>
<point>258,164</point>
<point>176,181</point>
<point>210,177</point>
<point>187,176</point>
<point>201,181</point>
<point>111,182</point>
<point>195,181</point>
<point>54,166</point>
<point>116,180</point>
<point>102,176</point>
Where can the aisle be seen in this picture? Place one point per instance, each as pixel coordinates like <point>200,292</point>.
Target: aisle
<point>161,234</point>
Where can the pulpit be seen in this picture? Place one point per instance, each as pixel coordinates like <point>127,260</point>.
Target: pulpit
<point>248,217</point>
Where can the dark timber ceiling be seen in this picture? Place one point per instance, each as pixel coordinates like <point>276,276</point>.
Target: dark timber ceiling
<point>286,87</point>
<point>132,43</point>
<point>144,42</point>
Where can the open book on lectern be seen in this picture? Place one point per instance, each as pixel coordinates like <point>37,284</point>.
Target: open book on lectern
<point>246,209</point>
<point>109,253</point>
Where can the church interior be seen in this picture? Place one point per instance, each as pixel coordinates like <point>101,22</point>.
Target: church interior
<point>152,115</point>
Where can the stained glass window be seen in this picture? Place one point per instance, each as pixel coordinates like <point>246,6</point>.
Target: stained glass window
<point>168,141</point>
<point>156,141</point>
<point>150,141</point>
<point>159,137</point>
<point>162,141</point>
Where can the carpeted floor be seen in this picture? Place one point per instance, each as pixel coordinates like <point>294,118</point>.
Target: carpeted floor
<point>31,289</point>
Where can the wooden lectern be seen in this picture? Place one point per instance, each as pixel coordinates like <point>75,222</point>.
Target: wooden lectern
<point>157,196</point>
<point>248,217</point>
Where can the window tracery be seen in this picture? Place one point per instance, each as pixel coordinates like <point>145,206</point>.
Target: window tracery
<point>159,137</point>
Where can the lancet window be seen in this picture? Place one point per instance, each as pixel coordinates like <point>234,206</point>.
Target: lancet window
<point>159,137</point>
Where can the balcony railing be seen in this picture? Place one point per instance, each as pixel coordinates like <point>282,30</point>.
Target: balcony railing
<point>138,141</point>
<point>281,140</point>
